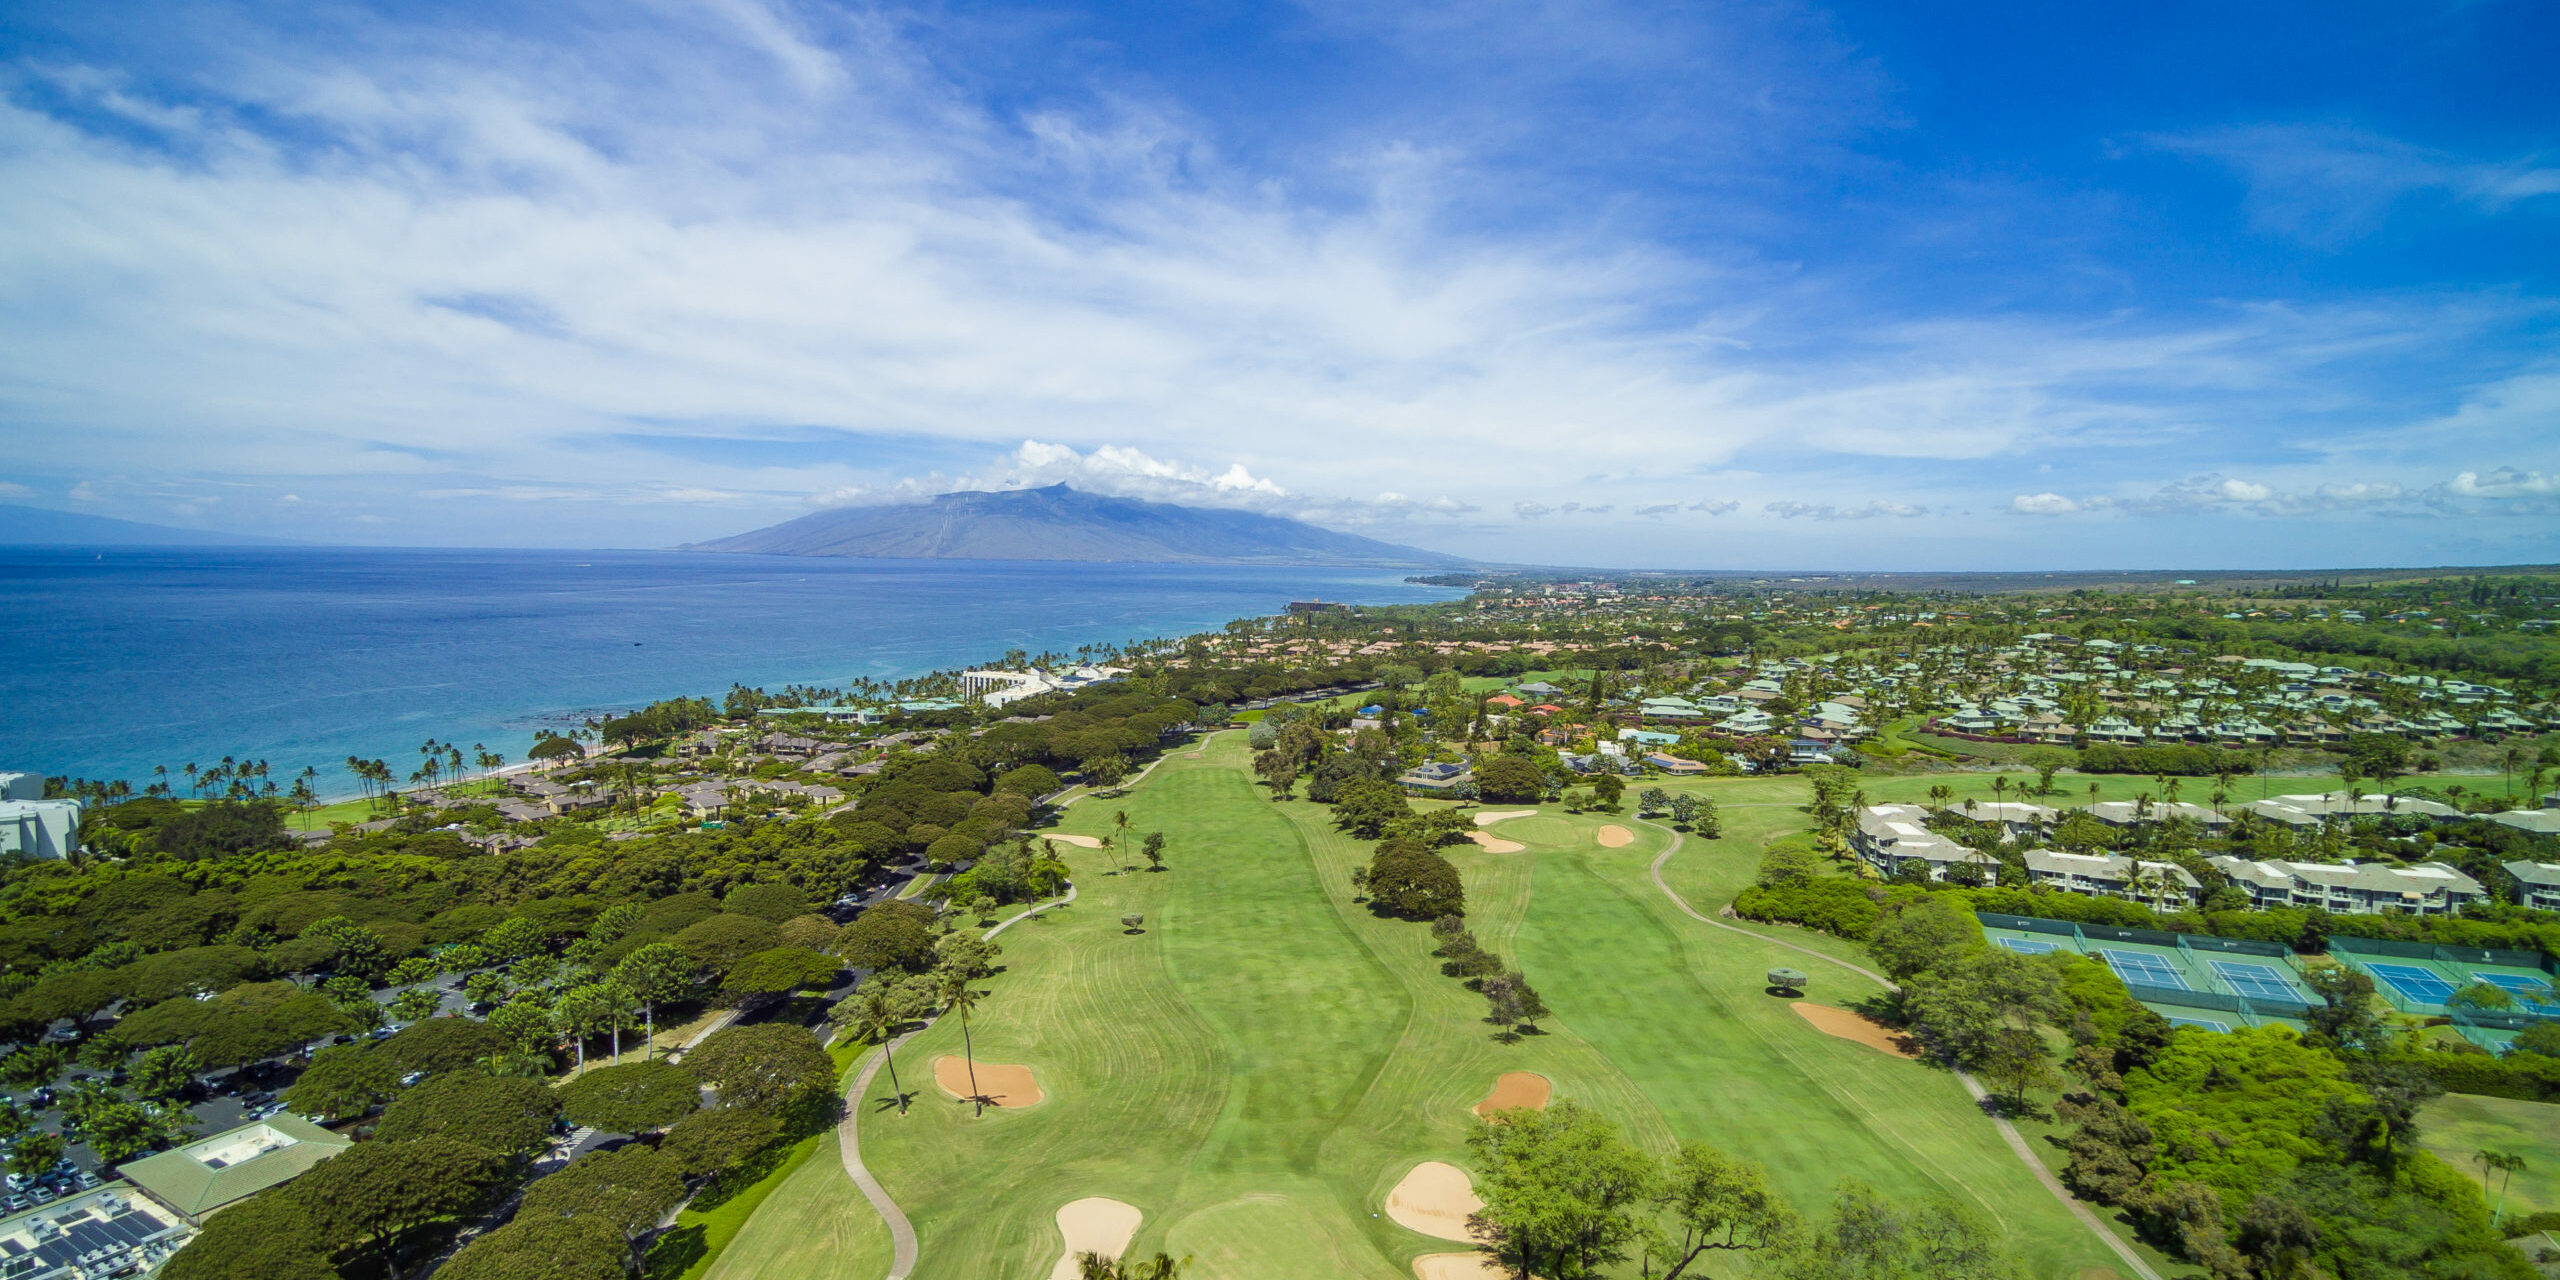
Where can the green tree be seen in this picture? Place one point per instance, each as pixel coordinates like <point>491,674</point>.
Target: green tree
<point>544,1247</point>
<point>708,1142</point>
<point>873,1013</point>
<point>654,974</point>
<point>1561,1190</point>
<point>630,1189</point>
<point>164,1072</point>
<point>266,1237</point>
<point>527,1026</point>
<point>959,997</point>
<point>1607,790</point>
<point>1929,932</point>
<point>505,1117</point>
<point>890,935</point>
<point>639,1097</point>
<point>1714,1203</point>
<point>343,1081</point>
<point>767,1066</point>
<point>777,972</point>
<point>36,1153</point>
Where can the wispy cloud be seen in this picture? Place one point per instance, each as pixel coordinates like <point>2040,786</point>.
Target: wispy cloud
<point>2327,184</point>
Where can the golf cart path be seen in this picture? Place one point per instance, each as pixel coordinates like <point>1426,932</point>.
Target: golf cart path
<point>902,1233</point>
<point>2008,1132</point>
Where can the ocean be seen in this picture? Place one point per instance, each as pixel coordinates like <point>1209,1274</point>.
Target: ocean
<point>117,660</point>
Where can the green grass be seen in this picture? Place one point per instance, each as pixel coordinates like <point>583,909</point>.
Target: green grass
<point>811,1223</point>
<point>1266,1059</point>
<point>701,1237</point>
<point>2458,1126</point>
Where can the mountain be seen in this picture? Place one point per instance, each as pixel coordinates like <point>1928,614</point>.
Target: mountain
<point>1059,523</point>
<point>39,527</point>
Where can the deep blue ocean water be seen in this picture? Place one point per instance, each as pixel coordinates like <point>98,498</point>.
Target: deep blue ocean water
<point>115,660</point>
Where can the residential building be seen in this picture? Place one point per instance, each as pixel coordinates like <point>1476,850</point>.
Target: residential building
<point>1891,835</point>
<point>113,1230</point>
<point>2353,888</point>
<point>1440,777</point>
<point>32,826</point>
<point>210,1174</point>
<point>2539,821</point>
<point>2313,810</point>
<point>1674,765</point>
<point>2537,884</point>
<point>2127,813</point>
<point>2112,876</point>
<point>2016,817</point>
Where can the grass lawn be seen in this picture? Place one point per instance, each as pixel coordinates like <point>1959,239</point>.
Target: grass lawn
<point>1258,1066</point>
<point>2459,1126</point>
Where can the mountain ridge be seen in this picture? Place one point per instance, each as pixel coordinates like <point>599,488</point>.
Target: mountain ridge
<point>1063,523</point>
<point>24,526</point>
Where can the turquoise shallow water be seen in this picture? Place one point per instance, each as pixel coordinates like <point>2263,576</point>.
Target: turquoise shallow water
<point>115,660</point>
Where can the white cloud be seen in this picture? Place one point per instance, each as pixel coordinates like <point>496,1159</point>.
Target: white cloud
<point>2505,482</point>
<point>84,492</point>
<point>1790,510</point>
<point>2042,504</point>
<point>1717,506</point>
<point>2327,184</point>
<point>12,489</point>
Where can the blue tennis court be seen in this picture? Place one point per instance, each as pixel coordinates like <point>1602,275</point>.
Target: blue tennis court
<point>2256,981</point>
<point>2206,1023</point>
<point>2529,990</point>
<point>2419,985</point>
<point>2143,968</point>
<point>2028,946</point>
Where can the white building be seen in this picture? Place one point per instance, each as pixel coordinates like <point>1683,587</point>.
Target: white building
<point>2537,884</point>
<point>2353,888</point>
<point>111,1231</point>
<point>2110,876</point>
<point>2313,810</point>
<point>2126,813</point>
<point>997,688</point>
<point>32,825</point>
<point>1891,835</point>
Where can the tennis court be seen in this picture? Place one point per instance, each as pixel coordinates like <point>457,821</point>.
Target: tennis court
<point>2529,990</point>
<point>2257,981</point>
<point>2141,968</point>
<point>2206,1023</point>
<point>2420,986</point>
<point>2028,946</point>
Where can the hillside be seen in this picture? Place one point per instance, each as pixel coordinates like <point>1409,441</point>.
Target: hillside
<point>1059,523</point>
<point>39,527</point>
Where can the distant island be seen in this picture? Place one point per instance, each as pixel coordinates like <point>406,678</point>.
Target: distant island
<point>1061,523</point>
<point>42,527</point>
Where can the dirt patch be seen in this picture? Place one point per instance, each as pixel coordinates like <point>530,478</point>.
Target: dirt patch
<point>1851,1026</point>
<point>1096,1224</point>
<point>1492,843</point>
<point>1081,842</point>
<point>1517,1089</point>
<point>1616,837</point>
<point>1006,1084</point>
<point>2095,1273</point>
<point>1435,1200</point>
<point>1488,819</point>
<point>1459,1266</point>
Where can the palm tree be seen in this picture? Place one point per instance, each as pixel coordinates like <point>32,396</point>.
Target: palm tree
<point>1120,837</point>
<point>875,1017</point>
<point>2000,788</point>
<point>2093,795</point>
<point>959,997</point>
<point>2502,1163</point>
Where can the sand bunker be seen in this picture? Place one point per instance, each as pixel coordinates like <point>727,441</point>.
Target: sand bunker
<point>1459,1266</point>
<point>1616,837</point>
<point>1492,843</point>
<point>1488,819</point>
<point>1081,842</point>
<point>1096,1224</point>
<point>1435,1200</point>
<point>1850,1026</point>
<point>1517,1089</point>
<point>1006,1084</point>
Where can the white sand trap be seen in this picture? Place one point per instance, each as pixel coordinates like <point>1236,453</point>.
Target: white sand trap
<point>1488,819</point>
<point>1095,1224</point>
<point>1435,1199</point>
<point>1081,842</point>
<point>1006,1084</point>
<point>1614,837</point>
<point>1459,1266</point>
<point>1492,843</point>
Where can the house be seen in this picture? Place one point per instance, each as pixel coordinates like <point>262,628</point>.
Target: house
<point>2110,876</point>
<point>2313,810</point>
<point>1750,723</point>
<point>1674,765</point>
<point>1505,701</point>
<point>39,828</point>
<point>113,1230</point>
<point>210,1174</point>
<point>2015,817</point>
<point>1889,836</point>
<point>2537,884</point>
<point>2539,821</point>
<point>1649,737</point>
<point>2127,813</point>
<point>1669,709</point>
<point>1439,778</point>
<point>1540,689</point>
<point>2353,888</point>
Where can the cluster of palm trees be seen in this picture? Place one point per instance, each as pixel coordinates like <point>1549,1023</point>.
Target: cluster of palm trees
<point>231,779</point>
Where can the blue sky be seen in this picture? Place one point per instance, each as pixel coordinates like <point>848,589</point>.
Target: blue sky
<point>1901,285</point>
